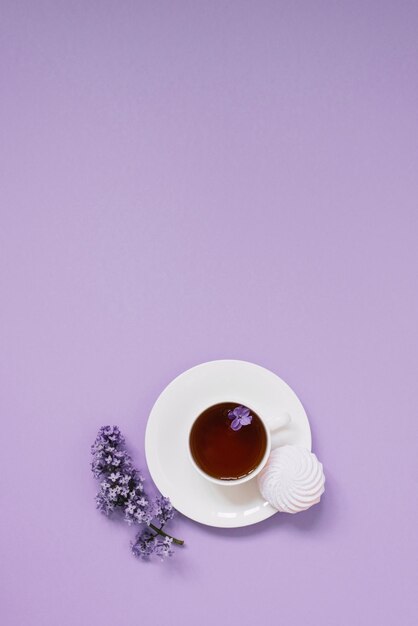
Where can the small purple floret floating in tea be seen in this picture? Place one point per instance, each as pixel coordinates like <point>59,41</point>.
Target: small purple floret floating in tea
<point>122,490</point>
<point>240,416</point>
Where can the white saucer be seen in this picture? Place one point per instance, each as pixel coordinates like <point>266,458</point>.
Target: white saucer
<point>166,438</point>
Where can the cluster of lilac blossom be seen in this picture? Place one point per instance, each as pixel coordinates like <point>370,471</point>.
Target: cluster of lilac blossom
<point>147,543</point>
<point>122,488</point>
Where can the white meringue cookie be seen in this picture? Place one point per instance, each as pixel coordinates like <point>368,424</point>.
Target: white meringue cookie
<point>293,479</point>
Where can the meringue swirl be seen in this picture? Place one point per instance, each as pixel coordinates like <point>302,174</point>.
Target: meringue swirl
<point>293,479</point>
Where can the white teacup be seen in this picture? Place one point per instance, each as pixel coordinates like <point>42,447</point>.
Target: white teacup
<point>270,423</point>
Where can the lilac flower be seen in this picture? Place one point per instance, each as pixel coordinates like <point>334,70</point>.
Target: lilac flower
<point>163,548</point>
<point>146,544</point>
<point>112,495</point>
<point>163,510</point>
<point>106,449</point>
<point>138,509</point>
<point>122,489</point>
<point>104,504</point>
<point>240,416</point>
<point>130,508</point>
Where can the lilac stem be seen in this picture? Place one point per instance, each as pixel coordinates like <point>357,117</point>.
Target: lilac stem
<point>160,531</point>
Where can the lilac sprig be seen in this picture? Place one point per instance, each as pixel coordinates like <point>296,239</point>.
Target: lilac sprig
<point>122,489</point>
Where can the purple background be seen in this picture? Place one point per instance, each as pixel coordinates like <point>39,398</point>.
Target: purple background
<point>187,181</point>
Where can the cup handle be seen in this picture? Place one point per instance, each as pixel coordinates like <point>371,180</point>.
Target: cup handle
<point>279,421</point>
